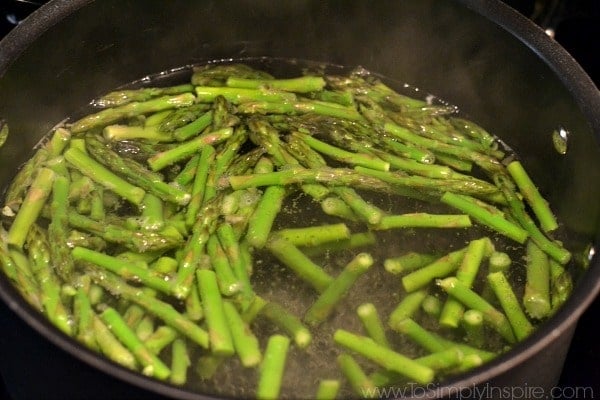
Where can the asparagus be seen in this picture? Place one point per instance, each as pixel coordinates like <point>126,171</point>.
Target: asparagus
<point>508,300</point>
<point>261,222</point>
<point>338,289</point>
<point>180,362</point>
<point>466,273</point>
<point>193,304</point>
<point>372,323</point>
<point>19,273</point>
<point>302,84</point>
<point>141,241</point>
<point>135,173</point>
<point>83,315</point>
<point>431,305</point>
<point>233,250</point>
<point>485,216</point>
<point>553,249</point>
<point>151,364</point>
<point>116,133</point>
<point>532,196</point>
<point>328,389</point>
<point>383,356</point>
<point>561,284</point>
<point>160,338</point>
<point>207,156</point>
<point>469,298</point>
<point>440,268</point>
<point>245,342</point>
<point>152,305</point>
<point>36,197</point>
<point>193,249</point>
<point>58,228</point>
<point>287,321</point>
<point>472,322</point>
<point>407,262</point>
<point>121,97</point>
<point>358,379</point>
<point>111,115</point>
<point>423,220</point>
<point>110,346</point>
<point>356,240</point>
<point>49,284</point>
<point>98,173</point>
<point>187,149</point>
<point>193,128</point>
<point>241,95</point>
<point>293,258</point>
<point>228,282</point>
<point>536,298</point>
<point>122,268</point>
<point>407,307</point>
<point>314,235</point>
<point>221,342</point>
<point>272,367</point>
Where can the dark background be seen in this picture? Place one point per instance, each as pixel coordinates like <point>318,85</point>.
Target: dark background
<point>576,26</point>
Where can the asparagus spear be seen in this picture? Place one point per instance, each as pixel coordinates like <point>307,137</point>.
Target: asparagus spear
<point>338,289</point>
<point>180,362</point>
<point>245,342</point>
<point>508,300</point>
<point>111,115</point>
<point>372,323</point>
<point>221,342</point>
<point>358,379</point>
<point>287,321</point>
<point>383,356</point>
<point>536,298</point>
<point>272,367</point>
<point>29,211</point>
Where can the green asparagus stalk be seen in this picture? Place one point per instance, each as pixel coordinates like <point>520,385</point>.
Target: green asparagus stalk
<point>294,259</point>
<point>193,304</point>
<point>466,273</point>
<point>221,342</point>
<point>160,338</point>
<point>193,128</point>
<point>229,284</point>
<point>58,228</point>
<point>261,222</point>
<point>135,173</point>
<point>110,346</point>
<point>383,356</point>
<point>183,117</point>
<point>274,106</point>
<point>30,209</point>
<point>338,208</point>
<point>124,269</point>
<point>508,300</point>
<point>152,305</point>
<point>355,241</point>
<point>151,133</point>
<point>358,379</point>
<point>235,95</point>
<point>553,249</point>
<point>207,156</point>
<point>431,305</point>
<point>84,319</point>
<point>302,84</point>
<point>314,235</point>
<point>440,268</point>
<point>121,97</point>
<point>98,173</point>
<point>532,196</point>
<point>233,251</point>
<point>536,298</point>
<point>112,115</point>
<point>561,284</point>
<point>187,149</point>
<point>272,367</point>
<point>469,298</point>
<point>338,289</point>
<point>423,220</point>
<point>245,342</point>
<point>49,284</point>
<point>408,262</point>
<point>151,364</point>
<point>180,362</point>
<point>407,307</point>
<point>485,216</point>
<point>472,322</point>
<point>328,389</point>
<point>372,323</point>
<point>287,321</point>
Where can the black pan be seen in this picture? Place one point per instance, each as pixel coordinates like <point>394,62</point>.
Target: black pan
<point>501,70</point>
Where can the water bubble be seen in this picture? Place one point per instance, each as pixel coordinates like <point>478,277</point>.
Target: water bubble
<point>559,139</point>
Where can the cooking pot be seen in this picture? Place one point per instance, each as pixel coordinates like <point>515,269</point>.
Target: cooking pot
<point>499,68</point>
